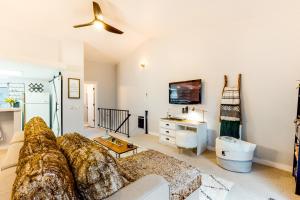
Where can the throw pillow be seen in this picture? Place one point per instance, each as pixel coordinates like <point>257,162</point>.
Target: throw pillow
<point>44,176</point>
<point>11,156</point>
<point>95,171</point>
<point>37,127</point>
<point>42,171</point>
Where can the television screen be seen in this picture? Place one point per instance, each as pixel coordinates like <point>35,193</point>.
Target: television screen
<point>186,92</point>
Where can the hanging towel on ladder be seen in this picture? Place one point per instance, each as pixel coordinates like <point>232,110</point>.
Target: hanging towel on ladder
<point>231,96</point>
<point>230,112</point>
<point>230,128</point>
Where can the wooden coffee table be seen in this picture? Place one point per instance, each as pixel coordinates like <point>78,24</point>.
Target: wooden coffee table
<point>119,147</point>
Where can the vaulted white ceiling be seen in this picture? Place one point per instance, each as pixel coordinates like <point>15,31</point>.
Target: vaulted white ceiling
<point>55,18</point>
<point>139,19</point>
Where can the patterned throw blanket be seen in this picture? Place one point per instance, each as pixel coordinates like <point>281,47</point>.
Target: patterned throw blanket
<point>230,112</point>
<point>230,128</point>
<point>231,96</point>
<point>230,105</point>
<point>43,171</point>
<point>182,177</point>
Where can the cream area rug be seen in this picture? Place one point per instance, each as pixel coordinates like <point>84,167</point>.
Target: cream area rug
<point>214,188</point>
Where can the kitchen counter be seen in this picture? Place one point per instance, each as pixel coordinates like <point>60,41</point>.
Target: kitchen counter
<point>10,109</point>
<point>10,123</point>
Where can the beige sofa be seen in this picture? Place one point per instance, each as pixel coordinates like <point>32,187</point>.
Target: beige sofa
<point>150,187</point>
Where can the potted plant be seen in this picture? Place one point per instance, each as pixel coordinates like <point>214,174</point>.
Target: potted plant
<point>11,101</point>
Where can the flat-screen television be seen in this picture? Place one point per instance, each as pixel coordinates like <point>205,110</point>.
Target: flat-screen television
<point>185,92</point>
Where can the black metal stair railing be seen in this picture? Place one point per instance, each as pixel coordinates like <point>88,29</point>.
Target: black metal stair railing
<point>114,120</point>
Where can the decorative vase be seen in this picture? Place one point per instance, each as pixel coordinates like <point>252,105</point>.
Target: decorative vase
<point>16,104</point>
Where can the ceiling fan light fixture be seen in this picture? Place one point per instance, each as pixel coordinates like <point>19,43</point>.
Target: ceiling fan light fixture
<point>98,25</point>
<point>98,21</point>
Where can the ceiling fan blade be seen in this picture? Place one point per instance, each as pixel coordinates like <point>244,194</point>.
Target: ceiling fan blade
<point>97,10</point>
<point>83,25</point>
<point>111,28</point>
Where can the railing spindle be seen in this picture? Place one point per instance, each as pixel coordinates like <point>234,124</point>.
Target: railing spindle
<point>114,120</point>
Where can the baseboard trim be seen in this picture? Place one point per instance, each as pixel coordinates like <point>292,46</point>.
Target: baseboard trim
<point>211,148</point>
<point>281,166</point>
<point>276,165</point>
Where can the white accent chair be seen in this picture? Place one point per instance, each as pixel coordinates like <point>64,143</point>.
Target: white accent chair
<point>186,139</point>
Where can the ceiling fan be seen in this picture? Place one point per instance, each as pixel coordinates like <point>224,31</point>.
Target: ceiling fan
<point>98,21</point>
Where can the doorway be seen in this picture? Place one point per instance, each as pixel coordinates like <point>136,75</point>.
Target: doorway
<point>89,105</point>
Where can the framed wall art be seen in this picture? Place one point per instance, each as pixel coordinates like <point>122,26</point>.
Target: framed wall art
<point>73,88</point>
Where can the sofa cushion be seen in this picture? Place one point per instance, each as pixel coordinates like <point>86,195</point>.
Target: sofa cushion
<point>38,138</point>
<point>17,137</point>
<point>7,178</point>
<point>37,127</point>
<point>42,171</point>
<point>182,177</point>
<point>36,145</point>
<point>95,171</point>
<point>44,176</point>
<point>25,157</point>
<point>150,187</point>
<point>11,157</point>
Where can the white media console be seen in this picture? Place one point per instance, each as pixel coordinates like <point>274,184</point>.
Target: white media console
<point>169,127</point>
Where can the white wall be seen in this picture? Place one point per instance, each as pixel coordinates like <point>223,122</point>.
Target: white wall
<point>62,54</point>
<point>104,76</point>
<point>266,52</point>
<point>72,53</point>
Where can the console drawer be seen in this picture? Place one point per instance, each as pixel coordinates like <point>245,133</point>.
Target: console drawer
<point>167,132</point>
<point>167,139</point>
<point>168,125</point>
